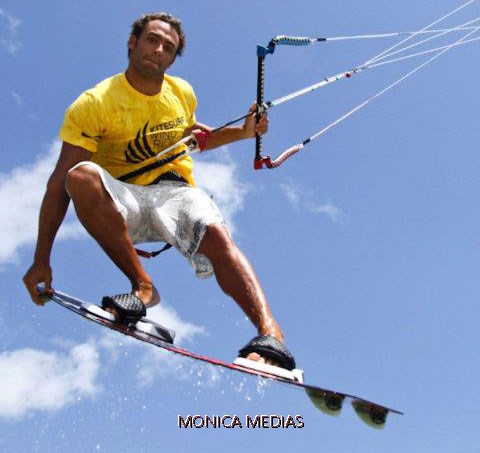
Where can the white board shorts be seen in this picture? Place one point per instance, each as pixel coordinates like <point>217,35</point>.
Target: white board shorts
<point>169,211</point>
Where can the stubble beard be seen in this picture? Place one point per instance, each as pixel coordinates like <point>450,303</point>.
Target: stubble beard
<point>148,72</point>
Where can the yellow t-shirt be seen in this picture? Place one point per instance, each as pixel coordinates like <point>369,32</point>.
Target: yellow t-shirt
<point>125,129</point>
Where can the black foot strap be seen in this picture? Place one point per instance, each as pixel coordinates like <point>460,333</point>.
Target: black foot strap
<point>270,348</point>
<point>128,306</point>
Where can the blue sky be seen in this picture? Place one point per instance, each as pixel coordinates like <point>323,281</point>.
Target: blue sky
<point>367,243</point>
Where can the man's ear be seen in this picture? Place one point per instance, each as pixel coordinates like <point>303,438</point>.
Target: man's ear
<point>131,42</point>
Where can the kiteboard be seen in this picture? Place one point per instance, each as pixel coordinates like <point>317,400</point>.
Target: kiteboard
<point>327,401</point>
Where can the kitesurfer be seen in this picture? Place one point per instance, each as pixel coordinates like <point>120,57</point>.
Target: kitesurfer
<point>110,133</point>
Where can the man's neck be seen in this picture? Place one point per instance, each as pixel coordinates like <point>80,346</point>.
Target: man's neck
<point>145,86</point>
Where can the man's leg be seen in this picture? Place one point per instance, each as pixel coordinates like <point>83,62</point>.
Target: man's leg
<point>237,279</point>
<point>98,214</point>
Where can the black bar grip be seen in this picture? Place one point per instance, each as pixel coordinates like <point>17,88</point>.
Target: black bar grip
<point>260,97</point>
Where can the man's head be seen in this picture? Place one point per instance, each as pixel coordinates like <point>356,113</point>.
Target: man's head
<point>155,41</point>
<point>139,26</point>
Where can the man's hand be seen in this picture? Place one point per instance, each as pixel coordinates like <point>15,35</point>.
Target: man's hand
<point>251,128</point>
<point>197,126</point>
<point>38,273</point>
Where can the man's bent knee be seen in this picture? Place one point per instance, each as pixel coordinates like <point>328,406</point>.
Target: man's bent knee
<point>216,241</point>
<point>81,177</point>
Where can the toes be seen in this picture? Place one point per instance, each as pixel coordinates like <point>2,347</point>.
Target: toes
<point>255,357</point>
<point>258,358</point>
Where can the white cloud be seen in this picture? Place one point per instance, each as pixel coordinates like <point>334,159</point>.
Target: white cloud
<point>335,214</point>
<point>9,32</point>
<point>303,200</point>
<point>17,98</point>
<point>34,380</point>
<point>219,177</point>
<point>26,186</point>
<point>292,194</point>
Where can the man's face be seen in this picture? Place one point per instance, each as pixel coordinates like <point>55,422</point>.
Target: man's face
<point>154,51</point>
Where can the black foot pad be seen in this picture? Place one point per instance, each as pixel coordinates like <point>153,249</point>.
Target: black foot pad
<point>270,348</point>
<point>129,307</point>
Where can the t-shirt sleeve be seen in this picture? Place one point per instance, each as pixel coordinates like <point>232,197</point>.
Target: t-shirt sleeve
<point>84,123</point>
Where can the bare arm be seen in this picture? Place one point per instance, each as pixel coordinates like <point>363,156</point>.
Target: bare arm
<point>52,212</point>
<point>234,133</point>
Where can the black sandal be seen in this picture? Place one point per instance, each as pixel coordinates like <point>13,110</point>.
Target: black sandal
<point>129,307</point>
<point>270,348</point>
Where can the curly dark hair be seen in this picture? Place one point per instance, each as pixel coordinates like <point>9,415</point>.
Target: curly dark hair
<point>139,25</point>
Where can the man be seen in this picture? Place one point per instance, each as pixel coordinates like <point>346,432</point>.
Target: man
<point>111,135</point>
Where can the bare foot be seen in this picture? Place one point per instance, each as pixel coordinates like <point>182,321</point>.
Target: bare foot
<point>148,294</point>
